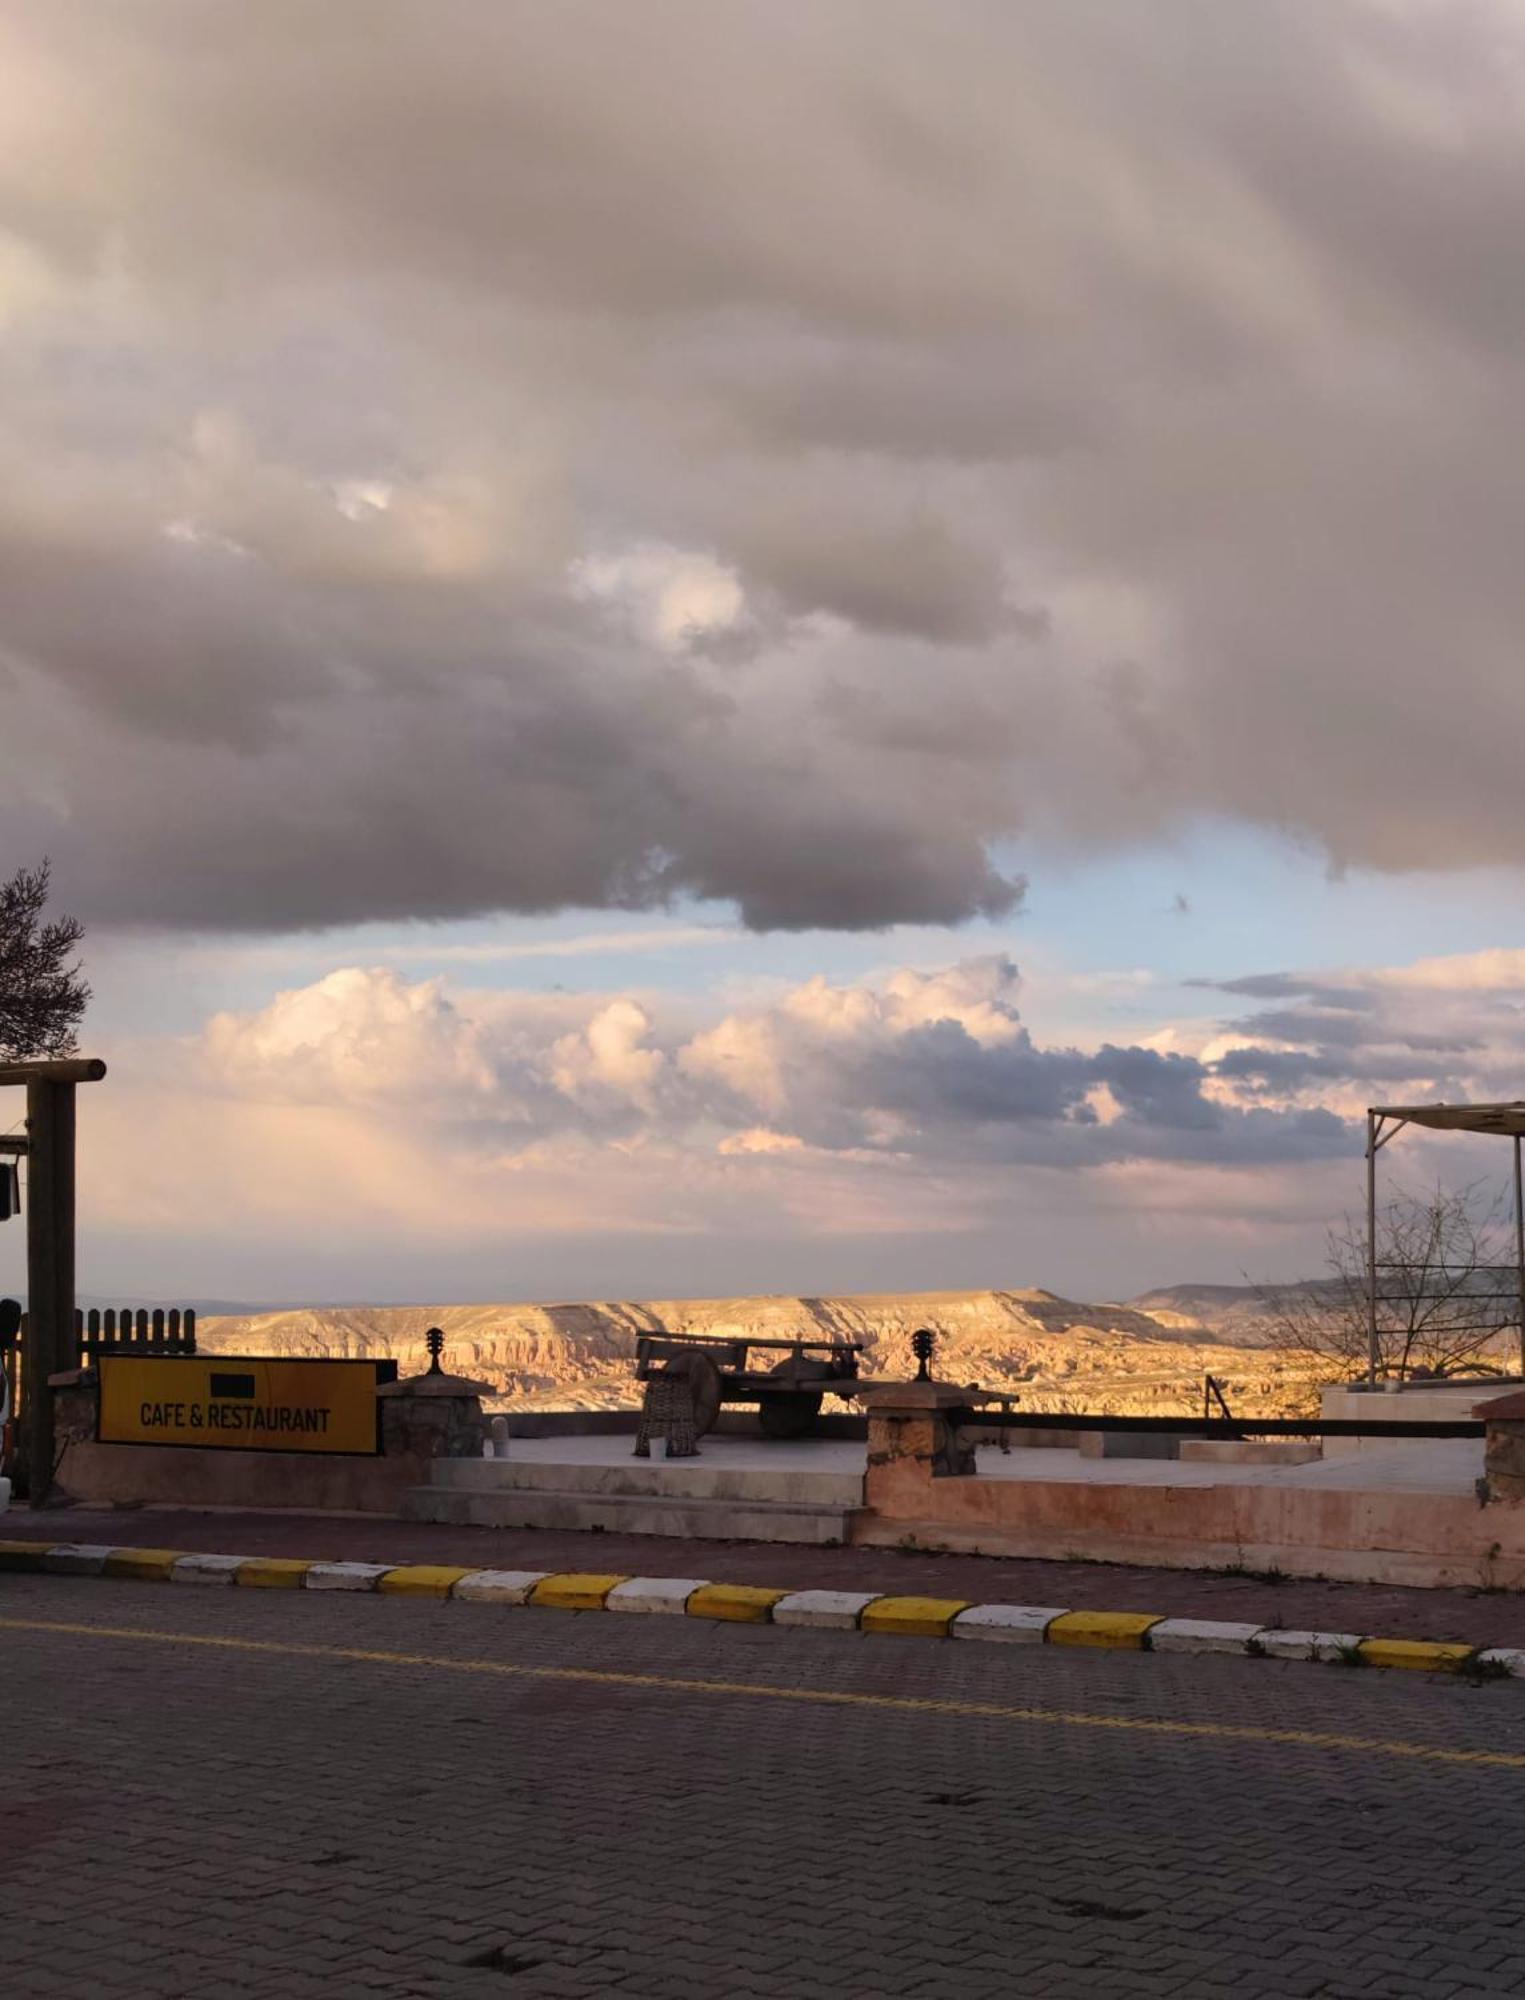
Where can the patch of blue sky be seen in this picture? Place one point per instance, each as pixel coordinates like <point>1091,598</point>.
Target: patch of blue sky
<point>1108,944</point>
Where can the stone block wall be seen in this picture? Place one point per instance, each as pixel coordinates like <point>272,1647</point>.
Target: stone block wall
<point>423,1419</point>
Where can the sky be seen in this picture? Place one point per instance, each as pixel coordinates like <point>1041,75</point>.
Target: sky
<point>699,649</point>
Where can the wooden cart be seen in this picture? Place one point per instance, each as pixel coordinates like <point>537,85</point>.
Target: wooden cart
<point>787,1394</point>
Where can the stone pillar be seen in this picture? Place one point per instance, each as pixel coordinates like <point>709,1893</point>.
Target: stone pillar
<point>433,1416</point>
<point>1504,1452</point>
<point>76,1396</point>
<point>912,1440</point>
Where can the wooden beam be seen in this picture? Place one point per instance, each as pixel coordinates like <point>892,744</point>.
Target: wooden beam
<point>54,1069</point>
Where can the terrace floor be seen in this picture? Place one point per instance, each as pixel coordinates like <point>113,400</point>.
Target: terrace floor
<point>1428,1465</point>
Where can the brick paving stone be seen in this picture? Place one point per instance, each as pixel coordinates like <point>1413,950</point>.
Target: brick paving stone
<point>268,1823</point>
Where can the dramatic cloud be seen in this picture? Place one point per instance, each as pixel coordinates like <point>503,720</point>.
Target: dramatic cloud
<point>934,1070</point>
<point>374,1134</point>
<point>1441,1030</point>
<point>498,456</point>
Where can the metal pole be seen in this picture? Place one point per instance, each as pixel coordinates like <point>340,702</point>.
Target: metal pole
<point>1371,1249</point>
<point>1519,1248</point>
<point>1519,1259</point>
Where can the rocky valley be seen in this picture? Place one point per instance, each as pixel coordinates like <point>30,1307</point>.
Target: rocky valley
<point>1147,1356</point>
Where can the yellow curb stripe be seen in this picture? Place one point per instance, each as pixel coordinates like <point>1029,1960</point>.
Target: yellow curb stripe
<point>1425,1655</point>
<point>1135,1725</point>
<point>422,1579</point>
<point>1119,1630</point>
<point>915,1617</point>
<point>24,1555</point>
<point>736,1603</point>
<point>271,1573</point>
<point>576,1590</point>
<point>145,1565</point>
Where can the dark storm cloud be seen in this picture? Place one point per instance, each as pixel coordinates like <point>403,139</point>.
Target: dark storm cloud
<point>1288,986</point>
<point>1100,415</point>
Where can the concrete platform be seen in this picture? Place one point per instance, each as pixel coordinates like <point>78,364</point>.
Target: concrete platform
<point>749,1469</point>
<point>1317,1517</point>
<point>737,1489</point>
<point>633,1514</point>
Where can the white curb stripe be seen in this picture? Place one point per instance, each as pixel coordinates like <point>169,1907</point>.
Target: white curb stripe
<point>1504,1656</point>
<point>828,1610</point>
<point>1200,1635</point>
<point>206,1569</point>
<point>345,1576</point>
<point>500,1586</point>
<point>1323,1646</point>
<point>1013,1624</point>
<point>78,1558</point>
<point>655,1593</point>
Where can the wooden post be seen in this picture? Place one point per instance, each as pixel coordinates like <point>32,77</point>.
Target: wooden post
<point>1372,1346</point>
<point>49,1244</point>
<point>50,1267</point>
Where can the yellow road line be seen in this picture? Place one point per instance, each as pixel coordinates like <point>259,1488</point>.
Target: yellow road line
<point>1230,1732</point>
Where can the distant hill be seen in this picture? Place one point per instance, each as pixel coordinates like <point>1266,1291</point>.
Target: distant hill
<point>1235,1313</point>
<point>1148,1355</point>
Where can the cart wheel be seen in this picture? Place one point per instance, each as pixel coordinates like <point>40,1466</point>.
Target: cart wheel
<point>704,1383</point>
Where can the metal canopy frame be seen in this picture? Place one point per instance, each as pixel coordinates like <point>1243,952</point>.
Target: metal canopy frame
<point>1385,1122</point>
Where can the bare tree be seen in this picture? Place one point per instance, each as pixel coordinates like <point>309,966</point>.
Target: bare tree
<point>42,996</point>
<point>1446,1290</point>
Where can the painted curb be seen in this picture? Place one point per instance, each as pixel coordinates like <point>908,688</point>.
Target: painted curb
<point>76,1559</point>
<point>913,1617</point>
<point>752,1604</point>
<point>1425,1655</point>
<point>422,1579</point>
<point>576,1590</point>
<point>1006,1624</point>
<point>1320,1647</point>
<point>655,1593</point>
<point>735,1603</point>
<point>205,1569</point>
<point>267,1573</point>
<point>499,1586</point>
<point>146,1565</point>
<point>1118,1631</point>
<point>825,1610</point>
<point>343,1576</point>
<point>1200,1635</point>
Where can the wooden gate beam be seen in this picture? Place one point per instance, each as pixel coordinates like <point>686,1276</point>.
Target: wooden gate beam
<point>54,1069</point>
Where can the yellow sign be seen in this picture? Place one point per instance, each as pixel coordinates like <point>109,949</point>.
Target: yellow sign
<point>239,1403</point>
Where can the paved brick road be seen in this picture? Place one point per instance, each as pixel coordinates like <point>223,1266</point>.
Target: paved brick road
<point>187,1820</point>
<point>1479,1618</point>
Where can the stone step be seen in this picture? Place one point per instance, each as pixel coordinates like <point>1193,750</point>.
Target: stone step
<point>628,1514</point>
<point>786,1483</point>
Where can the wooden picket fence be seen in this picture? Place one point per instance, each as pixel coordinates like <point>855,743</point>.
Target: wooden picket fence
<point>161,1331</point>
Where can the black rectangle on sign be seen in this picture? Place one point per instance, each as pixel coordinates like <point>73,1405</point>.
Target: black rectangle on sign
<point>232,1385</point>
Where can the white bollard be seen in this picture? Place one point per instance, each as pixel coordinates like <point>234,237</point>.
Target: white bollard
<point>500,1437</point>
<point>658,1448</point>
<point>487,1447</point>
